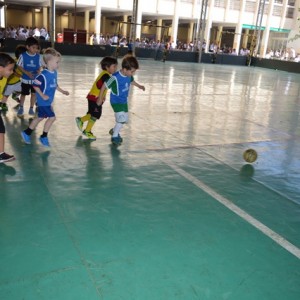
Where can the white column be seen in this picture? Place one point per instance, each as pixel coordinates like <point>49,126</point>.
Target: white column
<point>219,36</point>
<point>98,19</point>
<point>139,21</point>
<point>87,25</point>
<point>190,32</point>
<point>239,28</point>
<point>208,25</point>
<point>265,38</point>
<point>284,9</point>
<point>158,29</point>
<point>124,25</point>
<point>45,17</point>
<point>175,22</point>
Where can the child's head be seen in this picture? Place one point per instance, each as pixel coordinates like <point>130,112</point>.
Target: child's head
<point>7,64</point>
<point>32,45</point>
<point>129,65</point>
<point>109,64</point>
<point>51,58</point>
<point>19,50</point>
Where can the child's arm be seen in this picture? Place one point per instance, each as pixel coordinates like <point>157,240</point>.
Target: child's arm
<point>138,85</point>
<point>29,74</point>
<point>62,91</point>
<point>38,90</point>
<point>101,97</point>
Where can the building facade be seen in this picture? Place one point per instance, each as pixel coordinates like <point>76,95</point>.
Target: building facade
<point>228,22</point>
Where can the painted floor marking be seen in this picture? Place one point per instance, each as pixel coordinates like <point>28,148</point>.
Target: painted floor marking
<point>238,211</point>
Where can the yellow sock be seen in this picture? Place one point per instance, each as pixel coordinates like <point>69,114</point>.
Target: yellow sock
<point>85,118</point>
<point>90,125</point>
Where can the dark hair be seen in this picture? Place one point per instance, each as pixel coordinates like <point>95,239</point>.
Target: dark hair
<point>19,50</point>
<point>6,60</point>
<point>107,61</point>
<point>130,62</point>
<point>30,41</point>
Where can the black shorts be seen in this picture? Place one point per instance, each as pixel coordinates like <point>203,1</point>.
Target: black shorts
<point>94,110</point>
<point>27,89</point>
<point>2,127</point>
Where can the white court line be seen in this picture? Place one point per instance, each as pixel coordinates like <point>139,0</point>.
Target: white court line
<point>248,218</point>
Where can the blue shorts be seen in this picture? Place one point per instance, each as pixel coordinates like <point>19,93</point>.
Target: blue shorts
<point>45,112</point>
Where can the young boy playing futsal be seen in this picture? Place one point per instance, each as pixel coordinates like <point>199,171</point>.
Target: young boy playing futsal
<point>45,86</point>
<point>7,64</point>
<point>13,86</point>
<point>30,63</point>
<point>119,84</point>
<point>109,66</point>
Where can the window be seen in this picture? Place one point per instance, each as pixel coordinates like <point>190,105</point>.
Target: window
<point>290,12</point>
<point>235,5</point>
<point>250,6</point>
<point>277,10</point>
<point>220,3</point>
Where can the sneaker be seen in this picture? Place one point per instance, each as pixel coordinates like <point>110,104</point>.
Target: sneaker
<point>45,141</point>
<point>4,107</point>
<point>79,123</point>
<point>89,135</point>
<point>20,111</point>
<point>4,157</point>
<point>26,137</point>
<point>31,111</point>
<point>117,140</point>
<point>15,97</point>
<point>111,132</point>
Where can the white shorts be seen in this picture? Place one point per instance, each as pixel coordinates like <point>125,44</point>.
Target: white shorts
<point>121,117</point>
<point>12,88</point>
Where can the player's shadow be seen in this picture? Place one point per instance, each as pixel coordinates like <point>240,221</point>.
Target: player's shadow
<point>6,170</point>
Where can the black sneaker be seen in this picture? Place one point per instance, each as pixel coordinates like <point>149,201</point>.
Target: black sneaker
<point>4,157</point>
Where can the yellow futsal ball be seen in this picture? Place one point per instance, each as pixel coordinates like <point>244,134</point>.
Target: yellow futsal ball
<point>250,155</point>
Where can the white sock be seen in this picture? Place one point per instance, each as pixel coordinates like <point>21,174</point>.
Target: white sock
<point>117,129</point>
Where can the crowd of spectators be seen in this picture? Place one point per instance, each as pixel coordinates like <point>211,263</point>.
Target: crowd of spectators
<point>23,32</point>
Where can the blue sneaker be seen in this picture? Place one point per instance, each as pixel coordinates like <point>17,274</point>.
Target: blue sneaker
<point>117,140</point>
<point>31,111</point>
<point>26,137</point>
<point>45,141</point>
<point>20,111</point>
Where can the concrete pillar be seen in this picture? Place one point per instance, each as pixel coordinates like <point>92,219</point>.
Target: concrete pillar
<point>239,28</point>
<point>158,29</point>
<point>190,33</point>
<point>97,29</point>
<point>209,24</point>
<point>245,39</point>
<point>124,26</point>
<point>266,34</point>
<point>45,17</point>
<point>87,25</point>
<point>219,36</point>
<point>175,22</point>
<point>139,21</point>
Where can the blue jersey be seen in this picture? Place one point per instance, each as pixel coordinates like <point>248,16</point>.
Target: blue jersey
<point>47,82</point>
<point>30,63</point>
<point>119,86</point>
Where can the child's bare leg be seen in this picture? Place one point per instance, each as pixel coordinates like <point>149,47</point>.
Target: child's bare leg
<point>1,142</point>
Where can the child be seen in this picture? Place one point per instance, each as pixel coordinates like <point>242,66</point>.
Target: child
<point>13,82</point>
<point>7,64</point>
<point>119,85</point>
<point>30,63</point>
<point>109,66</point>
<point>45,86</point>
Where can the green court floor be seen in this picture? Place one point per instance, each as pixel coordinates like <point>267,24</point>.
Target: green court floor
<point>173,213</point>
